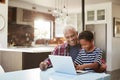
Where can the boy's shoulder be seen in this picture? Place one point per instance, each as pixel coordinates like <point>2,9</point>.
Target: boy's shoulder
<point>98,50</point>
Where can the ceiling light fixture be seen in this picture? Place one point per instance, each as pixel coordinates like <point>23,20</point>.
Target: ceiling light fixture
<point>60,12</point>
<point>60,8</point>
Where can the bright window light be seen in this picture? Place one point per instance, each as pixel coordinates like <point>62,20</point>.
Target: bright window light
<point>42,29</point>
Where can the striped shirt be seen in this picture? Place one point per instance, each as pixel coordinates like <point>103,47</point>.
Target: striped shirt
<point>89,57</point>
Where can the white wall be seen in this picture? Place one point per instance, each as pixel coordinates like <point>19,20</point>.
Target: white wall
<point>0,58</point>
<point>9,62</point>
<point>60,24</point>
<point>3,32</point>
<point>109,36</point>
<point>115,41</point>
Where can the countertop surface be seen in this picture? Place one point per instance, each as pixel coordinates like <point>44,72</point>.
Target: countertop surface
<point>50,74</point>
<point>30,49</point>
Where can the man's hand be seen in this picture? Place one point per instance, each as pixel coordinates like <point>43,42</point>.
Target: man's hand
<point>43,66</point>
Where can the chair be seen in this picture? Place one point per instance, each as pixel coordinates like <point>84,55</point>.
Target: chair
<point>1,69</point>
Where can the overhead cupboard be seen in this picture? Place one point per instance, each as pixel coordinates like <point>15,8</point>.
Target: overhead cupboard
<point>95,16</point>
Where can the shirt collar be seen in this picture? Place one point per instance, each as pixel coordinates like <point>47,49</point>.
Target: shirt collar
<point>67,46</point>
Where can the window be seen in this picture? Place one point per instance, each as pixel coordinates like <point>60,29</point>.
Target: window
<point>43,29</point>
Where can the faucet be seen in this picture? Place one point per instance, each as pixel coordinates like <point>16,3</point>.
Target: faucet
<point>46,42</point>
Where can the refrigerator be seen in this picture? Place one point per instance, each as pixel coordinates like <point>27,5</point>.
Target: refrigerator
<point>100,36</point>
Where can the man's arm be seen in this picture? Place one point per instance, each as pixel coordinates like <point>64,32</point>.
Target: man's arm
<point>46,63</point>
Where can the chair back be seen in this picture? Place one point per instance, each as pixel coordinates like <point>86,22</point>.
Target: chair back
<point>1,69</point>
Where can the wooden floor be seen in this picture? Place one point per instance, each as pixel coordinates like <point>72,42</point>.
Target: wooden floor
<point>115,75</point>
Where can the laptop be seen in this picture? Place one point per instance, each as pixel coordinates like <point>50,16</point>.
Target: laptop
<point>64,64</point>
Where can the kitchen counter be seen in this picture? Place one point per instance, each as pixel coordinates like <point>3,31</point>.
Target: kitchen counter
<point>24,58</point>
<point>31,49</point>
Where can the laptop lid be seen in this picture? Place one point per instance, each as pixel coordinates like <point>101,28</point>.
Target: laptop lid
<point>62,64</point>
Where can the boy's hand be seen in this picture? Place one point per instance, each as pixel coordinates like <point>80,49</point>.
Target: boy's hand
<point>79,67</point>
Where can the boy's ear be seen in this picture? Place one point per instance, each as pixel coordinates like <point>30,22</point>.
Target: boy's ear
<point>92,40</point>
<point>77,32</point>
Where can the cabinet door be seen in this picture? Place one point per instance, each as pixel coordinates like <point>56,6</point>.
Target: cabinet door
<point>32,60</point>
<point>12,15</point>
<point>91,15</point>
<point>101,14</point>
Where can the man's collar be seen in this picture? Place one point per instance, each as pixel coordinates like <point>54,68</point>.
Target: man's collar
<point>67,45</point>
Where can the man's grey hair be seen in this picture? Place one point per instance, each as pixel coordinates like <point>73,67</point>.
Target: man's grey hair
<point>69,27</point>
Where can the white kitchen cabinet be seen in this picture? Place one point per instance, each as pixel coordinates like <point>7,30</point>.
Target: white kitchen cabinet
<point>95,16</point>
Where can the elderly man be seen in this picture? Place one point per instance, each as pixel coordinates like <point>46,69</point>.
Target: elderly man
<point>70,48</point>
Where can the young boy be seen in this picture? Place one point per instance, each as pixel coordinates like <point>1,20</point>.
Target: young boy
<point>90,57</point>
